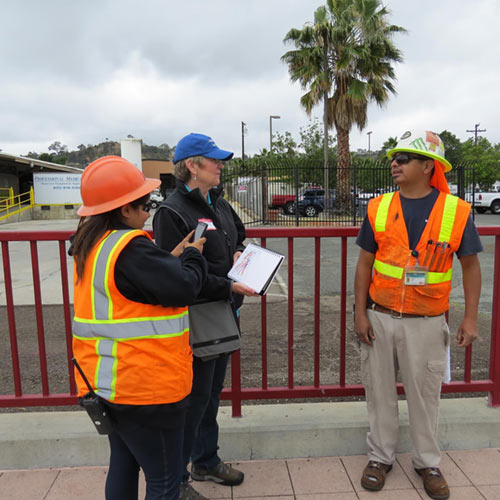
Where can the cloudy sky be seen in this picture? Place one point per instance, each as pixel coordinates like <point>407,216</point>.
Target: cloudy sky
<point>87,71</point>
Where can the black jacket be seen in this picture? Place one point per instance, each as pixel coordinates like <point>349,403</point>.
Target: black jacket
<point>179,214</point>
<point>147,274</point>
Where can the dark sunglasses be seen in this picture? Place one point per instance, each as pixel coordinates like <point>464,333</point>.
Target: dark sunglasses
<point>147,206</point>
<point>404,158</point>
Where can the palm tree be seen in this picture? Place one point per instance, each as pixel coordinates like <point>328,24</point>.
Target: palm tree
<point>344,59</point>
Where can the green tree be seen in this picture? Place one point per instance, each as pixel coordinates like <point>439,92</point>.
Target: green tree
<point>45,157</point>
<point>58,148</point>
<point>388,144</point>
<point>486,159</point>
<point>344,59</point>
<point>312,143</point>
<point>452,147</point>
<point>284,144</point>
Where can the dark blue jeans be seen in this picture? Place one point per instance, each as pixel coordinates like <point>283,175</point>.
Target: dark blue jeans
<point>201,431</point>
<point>156,448</point>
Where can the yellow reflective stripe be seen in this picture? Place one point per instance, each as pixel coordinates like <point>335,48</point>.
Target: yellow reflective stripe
<point>129,320</point>
<point>92,289</point>
<point>397,272</point>
<point>448,220</point>
<point>113,375</point>
<point>382,211</point>
<point>139,337</point>
<point>434,278</point>
<point>388,270</point>
<point>98,364</point>
<point>106,274</point>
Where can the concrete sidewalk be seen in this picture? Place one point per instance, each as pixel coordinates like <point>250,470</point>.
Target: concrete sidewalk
<point>471,475</point>
<point>33,440</point>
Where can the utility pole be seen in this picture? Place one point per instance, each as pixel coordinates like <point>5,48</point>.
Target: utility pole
<point>243,142</point>
<point>476,131</point>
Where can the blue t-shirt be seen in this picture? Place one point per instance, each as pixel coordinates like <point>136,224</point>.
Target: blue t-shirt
<point>416,212</point>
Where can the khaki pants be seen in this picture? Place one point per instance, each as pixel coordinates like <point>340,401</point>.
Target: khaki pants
<point>417,347</point>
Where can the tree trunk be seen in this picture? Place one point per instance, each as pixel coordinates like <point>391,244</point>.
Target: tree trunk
<point>325,148</point>
<point>326,181</point>
<point>343,193</point>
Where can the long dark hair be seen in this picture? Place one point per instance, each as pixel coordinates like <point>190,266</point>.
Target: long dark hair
<point>91,229</point>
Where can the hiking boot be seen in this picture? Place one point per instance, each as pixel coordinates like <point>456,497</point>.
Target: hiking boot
<point>221,474</point>
<point>373,477</point>
<point>187,492</point>
<point>435,484</point>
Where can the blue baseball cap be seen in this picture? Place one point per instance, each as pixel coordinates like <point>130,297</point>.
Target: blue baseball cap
<point>199,145</point>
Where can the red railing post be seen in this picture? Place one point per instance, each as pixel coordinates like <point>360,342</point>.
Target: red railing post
<point>317,310</point>
<point>67,315</point>
<point>236,384</point>
<point>291,381</point>
<point>343,312</point>
<point>494,395</point>
<point>39,318</point>
<point>14,352</point>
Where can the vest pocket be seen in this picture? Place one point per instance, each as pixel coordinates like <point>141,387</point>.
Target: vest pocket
<point>433,291</point>
<point>433,379</point>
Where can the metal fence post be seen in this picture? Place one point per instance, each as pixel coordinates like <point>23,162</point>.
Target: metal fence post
<point>494,395</point>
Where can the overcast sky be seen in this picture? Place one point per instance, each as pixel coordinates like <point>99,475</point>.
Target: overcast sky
<point>84,72</point>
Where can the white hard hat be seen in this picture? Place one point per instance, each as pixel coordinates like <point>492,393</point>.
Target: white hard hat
<point>424,143</point>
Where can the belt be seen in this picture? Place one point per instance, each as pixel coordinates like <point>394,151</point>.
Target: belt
<point>394,314</point>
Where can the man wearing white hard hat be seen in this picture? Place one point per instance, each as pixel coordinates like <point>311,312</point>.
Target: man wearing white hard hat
<point>402,287</point>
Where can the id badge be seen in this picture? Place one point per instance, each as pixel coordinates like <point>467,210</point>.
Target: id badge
<point>416,275</point>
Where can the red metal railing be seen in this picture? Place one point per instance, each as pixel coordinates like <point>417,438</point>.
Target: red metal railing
<point>236,393</point>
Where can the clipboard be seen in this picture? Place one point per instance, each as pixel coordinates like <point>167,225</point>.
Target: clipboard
<point>256,267</point>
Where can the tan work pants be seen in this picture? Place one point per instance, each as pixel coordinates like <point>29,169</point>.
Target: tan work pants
<point>417,347</point>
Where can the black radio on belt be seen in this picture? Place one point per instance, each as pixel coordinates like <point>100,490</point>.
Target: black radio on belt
<point>96,409</point>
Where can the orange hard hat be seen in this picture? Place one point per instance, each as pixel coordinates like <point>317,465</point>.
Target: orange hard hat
<point>111,182</point>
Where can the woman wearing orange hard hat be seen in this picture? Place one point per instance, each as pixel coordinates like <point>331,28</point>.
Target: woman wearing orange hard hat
<point>130,327</point>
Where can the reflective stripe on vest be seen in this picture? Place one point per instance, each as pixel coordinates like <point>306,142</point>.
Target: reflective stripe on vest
<point>447,222</point>
<point>449,212</point>
<point>105,376</point>
<point>382,211</point>
<point>108,331</point>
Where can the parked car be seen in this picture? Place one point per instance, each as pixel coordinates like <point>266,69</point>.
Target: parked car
<point>487,201</point>
<point>312,202</point>
<point>155,198</point>
<point>287,201</point>
<point>284,201</point>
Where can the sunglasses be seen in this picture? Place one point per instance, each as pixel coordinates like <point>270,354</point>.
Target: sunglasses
<point>146,207</point>
<point>404,158</point>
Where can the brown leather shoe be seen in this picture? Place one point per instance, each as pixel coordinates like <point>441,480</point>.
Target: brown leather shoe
<point>435,484</point>
<point>373,477</point>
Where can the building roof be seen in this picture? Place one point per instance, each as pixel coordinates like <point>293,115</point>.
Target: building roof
<point>11,160</point>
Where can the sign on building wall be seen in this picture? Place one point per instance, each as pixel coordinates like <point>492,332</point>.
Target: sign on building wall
<point>57,189</point>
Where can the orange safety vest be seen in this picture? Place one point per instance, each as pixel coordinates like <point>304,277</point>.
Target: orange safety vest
<point>132,353</point>
<point>446,224</point>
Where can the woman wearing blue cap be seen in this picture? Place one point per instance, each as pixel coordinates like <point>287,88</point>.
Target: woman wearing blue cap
<point>198,197</point>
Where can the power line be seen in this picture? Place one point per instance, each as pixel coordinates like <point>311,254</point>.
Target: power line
<point>476,131</point>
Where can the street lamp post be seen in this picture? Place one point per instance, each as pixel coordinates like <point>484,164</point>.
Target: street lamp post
<point>243,142</point>
<point>369,135</point>
<point>276,117</point>
<point>264,171</point>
